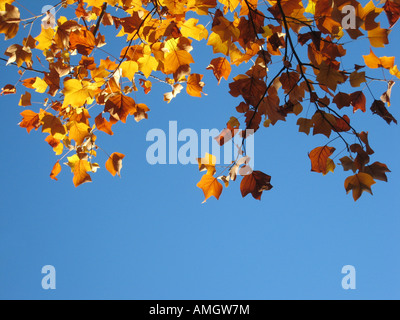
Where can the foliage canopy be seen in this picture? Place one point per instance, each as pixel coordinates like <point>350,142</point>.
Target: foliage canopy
<point>305,39</point>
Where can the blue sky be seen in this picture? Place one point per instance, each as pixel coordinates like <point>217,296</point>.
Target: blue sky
<point>148,236</point>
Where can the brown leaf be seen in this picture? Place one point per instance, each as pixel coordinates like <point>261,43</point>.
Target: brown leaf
<point>378,107</point>
<point>358,101</point>
<point>359,183</point>
<point>392,10</point>
<point>25,100</point>
<point>255,183</point>
<point>8,89</point>
<point>377,171</point>
<point>9,21</point>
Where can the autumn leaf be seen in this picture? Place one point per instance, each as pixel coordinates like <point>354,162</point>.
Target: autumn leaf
<point>195,85</point>
<point>120,107</point>
<point>9,21</point>
<point>78,131</point>
<point>392,10</point>
<point>359,183</point>
<point>320,160</point>
<point>25,100</point>
<point>378,107</point>
<point>30,120</point>
<point>56,171</point>
<point>77,93</point>
<point>357,78</point>
<point>80,169</point>
<point>358,101</point>
<point>19,54</point>
<point>176,59</point>
<point>324,123</point>
<point>83,41</point>
<point>211,187</point>
<point>53,126</point>
<point>221,68</point>
<point>378,37</point>
<point>305,125</point>
<point>192,29</point>
<point>104,125</point>
<point>207,163</point>
<point>373,62</point>
<point>377,171</point>
<point>255,183</point>
<point>45,39</point>
<point>330,76</point>
<point>8,89</point>
<point>114,163</point>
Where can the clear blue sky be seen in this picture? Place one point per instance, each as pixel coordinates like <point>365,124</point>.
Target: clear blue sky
<point>148,236</point>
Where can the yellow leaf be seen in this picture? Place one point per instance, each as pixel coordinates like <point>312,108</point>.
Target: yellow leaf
<point>207,163</point>
<point>45,39</point>
<point>147,64</point>
<point>176,59</point>
<point>40,85</point>
<point>373,62</point>
<point>78,131</point>
<point>78,93</point>
<point>129,69</point>
<point>196,31</point>
<point>378,37</point>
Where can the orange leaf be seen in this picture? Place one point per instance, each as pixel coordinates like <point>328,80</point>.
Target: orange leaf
<point>120,107</point>
<point>56,171</point>
<point>83,41</point>
<point>210,186</point>
<point>221,68</point>
<point>373,62</point>
<point>320,159</point>
<point>114,163</point>
<point>81,169</point>
<point>103,125</point>
<point>195,85</point>
<point>30,120</point>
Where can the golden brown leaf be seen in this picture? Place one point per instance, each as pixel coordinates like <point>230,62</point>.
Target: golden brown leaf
<point>114,163</point>
<point>359,184</point>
